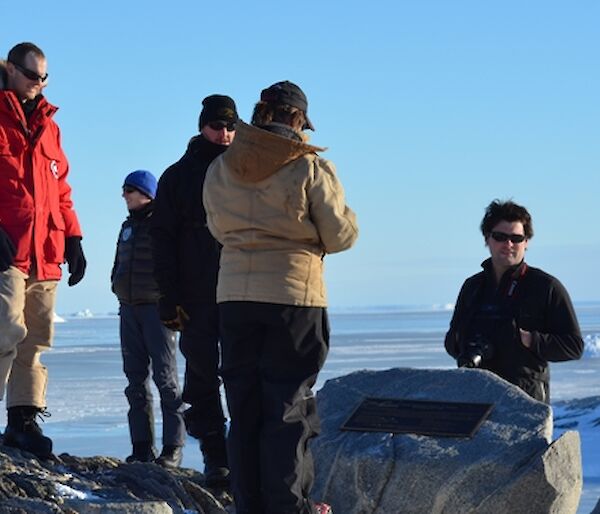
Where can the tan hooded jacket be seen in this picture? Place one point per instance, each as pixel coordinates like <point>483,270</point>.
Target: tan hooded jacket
<point>277,208</point>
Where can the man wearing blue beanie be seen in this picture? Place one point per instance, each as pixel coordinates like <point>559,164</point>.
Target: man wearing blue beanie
<point>186,260</point>
<point>144,339</point>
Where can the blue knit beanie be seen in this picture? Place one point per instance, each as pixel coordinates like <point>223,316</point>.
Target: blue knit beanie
<point>143,181</point>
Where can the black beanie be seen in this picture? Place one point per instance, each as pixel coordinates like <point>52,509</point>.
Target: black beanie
<point>217,108</point>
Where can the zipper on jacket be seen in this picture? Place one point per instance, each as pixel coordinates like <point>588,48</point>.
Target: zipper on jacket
<point>131,260</point>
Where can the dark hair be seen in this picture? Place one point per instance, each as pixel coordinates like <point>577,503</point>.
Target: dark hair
<point>498,211</point>
<point>18,52</point>
<point>267,112</point>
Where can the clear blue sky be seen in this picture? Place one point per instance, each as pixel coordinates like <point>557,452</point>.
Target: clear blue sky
<point>430,110</point>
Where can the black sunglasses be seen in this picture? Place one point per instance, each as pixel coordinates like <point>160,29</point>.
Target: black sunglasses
<point>501,237</point>
<point>31,75</point>
<point>220,125</point>
<point>129,189</point>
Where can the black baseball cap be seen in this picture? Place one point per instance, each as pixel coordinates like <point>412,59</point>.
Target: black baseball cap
<point>287,93</point>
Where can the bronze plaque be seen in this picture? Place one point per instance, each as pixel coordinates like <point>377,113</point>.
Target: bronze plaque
<point>444,419</point>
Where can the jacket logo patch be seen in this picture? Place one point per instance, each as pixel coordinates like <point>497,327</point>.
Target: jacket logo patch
<point>54,168</point>
<point>126,233</point>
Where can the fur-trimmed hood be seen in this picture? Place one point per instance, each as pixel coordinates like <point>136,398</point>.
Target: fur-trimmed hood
<point>3,77</point>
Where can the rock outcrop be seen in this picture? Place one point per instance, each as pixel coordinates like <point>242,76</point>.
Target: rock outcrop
<point>74,485</point>
<point>509,466</point>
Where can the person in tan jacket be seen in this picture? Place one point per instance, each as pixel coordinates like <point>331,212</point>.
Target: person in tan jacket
<point>277,208</point>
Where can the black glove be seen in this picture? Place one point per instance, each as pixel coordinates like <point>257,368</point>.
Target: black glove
<point>7,251</point>
<point>171,315</point>
<point>75,258</point>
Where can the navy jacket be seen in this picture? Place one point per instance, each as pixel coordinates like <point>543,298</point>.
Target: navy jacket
<point>132,275</point>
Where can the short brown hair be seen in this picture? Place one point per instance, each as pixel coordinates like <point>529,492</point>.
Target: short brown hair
<point>17,53</point>
<point>267,112</point>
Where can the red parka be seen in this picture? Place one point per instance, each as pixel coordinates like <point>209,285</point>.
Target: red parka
<point>36,210</point>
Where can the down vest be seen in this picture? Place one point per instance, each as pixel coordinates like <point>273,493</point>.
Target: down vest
<point>277,208</point>
<point>36,210</point>
<point>132,276</point>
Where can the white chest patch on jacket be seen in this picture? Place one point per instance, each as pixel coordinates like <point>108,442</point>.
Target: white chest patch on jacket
<point>54,168</point>
<point>127,231</point>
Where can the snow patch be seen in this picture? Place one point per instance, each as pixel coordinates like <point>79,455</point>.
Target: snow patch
<point>68,492</point>
<point>583,415</point>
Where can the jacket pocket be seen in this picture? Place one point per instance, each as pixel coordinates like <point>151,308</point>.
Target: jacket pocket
<point>53,160</point>
<point>534,387</point>
<point>18,224</point>
<point>54,245</point>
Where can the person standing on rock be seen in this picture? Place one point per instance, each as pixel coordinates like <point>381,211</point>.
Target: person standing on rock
<point>277,208</point>
<point>145,341</point>
<point>39,230</point>
<point>511,318</point>
<point>186,259</point>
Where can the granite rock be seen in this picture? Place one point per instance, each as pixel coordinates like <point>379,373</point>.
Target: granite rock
<point>509,465</point>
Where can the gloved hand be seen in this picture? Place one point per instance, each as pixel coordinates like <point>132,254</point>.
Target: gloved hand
<point>171,315</point>
<point>7,251</point>
<point>75,258</point>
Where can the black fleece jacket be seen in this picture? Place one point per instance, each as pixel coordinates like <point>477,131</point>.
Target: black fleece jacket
<point>186,256</point>
<point>526,298</point>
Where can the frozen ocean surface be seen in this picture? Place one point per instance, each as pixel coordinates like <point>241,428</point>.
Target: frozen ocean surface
<point>89,409</point>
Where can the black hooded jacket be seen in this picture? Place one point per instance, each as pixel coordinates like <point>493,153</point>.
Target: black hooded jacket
<point>186,256</point>
<point>526,298</point>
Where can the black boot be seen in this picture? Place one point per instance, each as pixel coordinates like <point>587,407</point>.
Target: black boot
<point>23,432</point>
<point>142,452</point>
<point>170,457</point>
<point>216,468</point>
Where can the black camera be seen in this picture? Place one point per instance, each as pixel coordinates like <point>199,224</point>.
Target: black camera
<point>476,351</point>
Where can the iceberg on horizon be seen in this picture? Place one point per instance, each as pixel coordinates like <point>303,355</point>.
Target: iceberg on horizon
<point>58,319</point>
<point>592,345</point>
<point>85,313</point>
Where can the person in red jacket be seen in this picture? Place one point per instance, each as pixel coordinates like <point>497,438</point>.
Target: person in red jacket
<point>39,230</point>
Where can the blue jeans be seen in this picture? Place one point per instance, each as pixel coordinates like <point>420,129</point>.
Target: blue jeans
<point>146,343</point>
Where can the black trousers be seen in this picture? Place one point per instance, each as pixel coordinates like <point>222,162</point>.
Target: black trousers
<point>199,344</point>
<point>146,342</point>
<point>272,355</point>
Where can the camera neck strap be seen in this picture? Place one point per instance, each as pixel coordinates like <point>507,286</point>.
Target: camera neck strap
<point>515,277</point>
